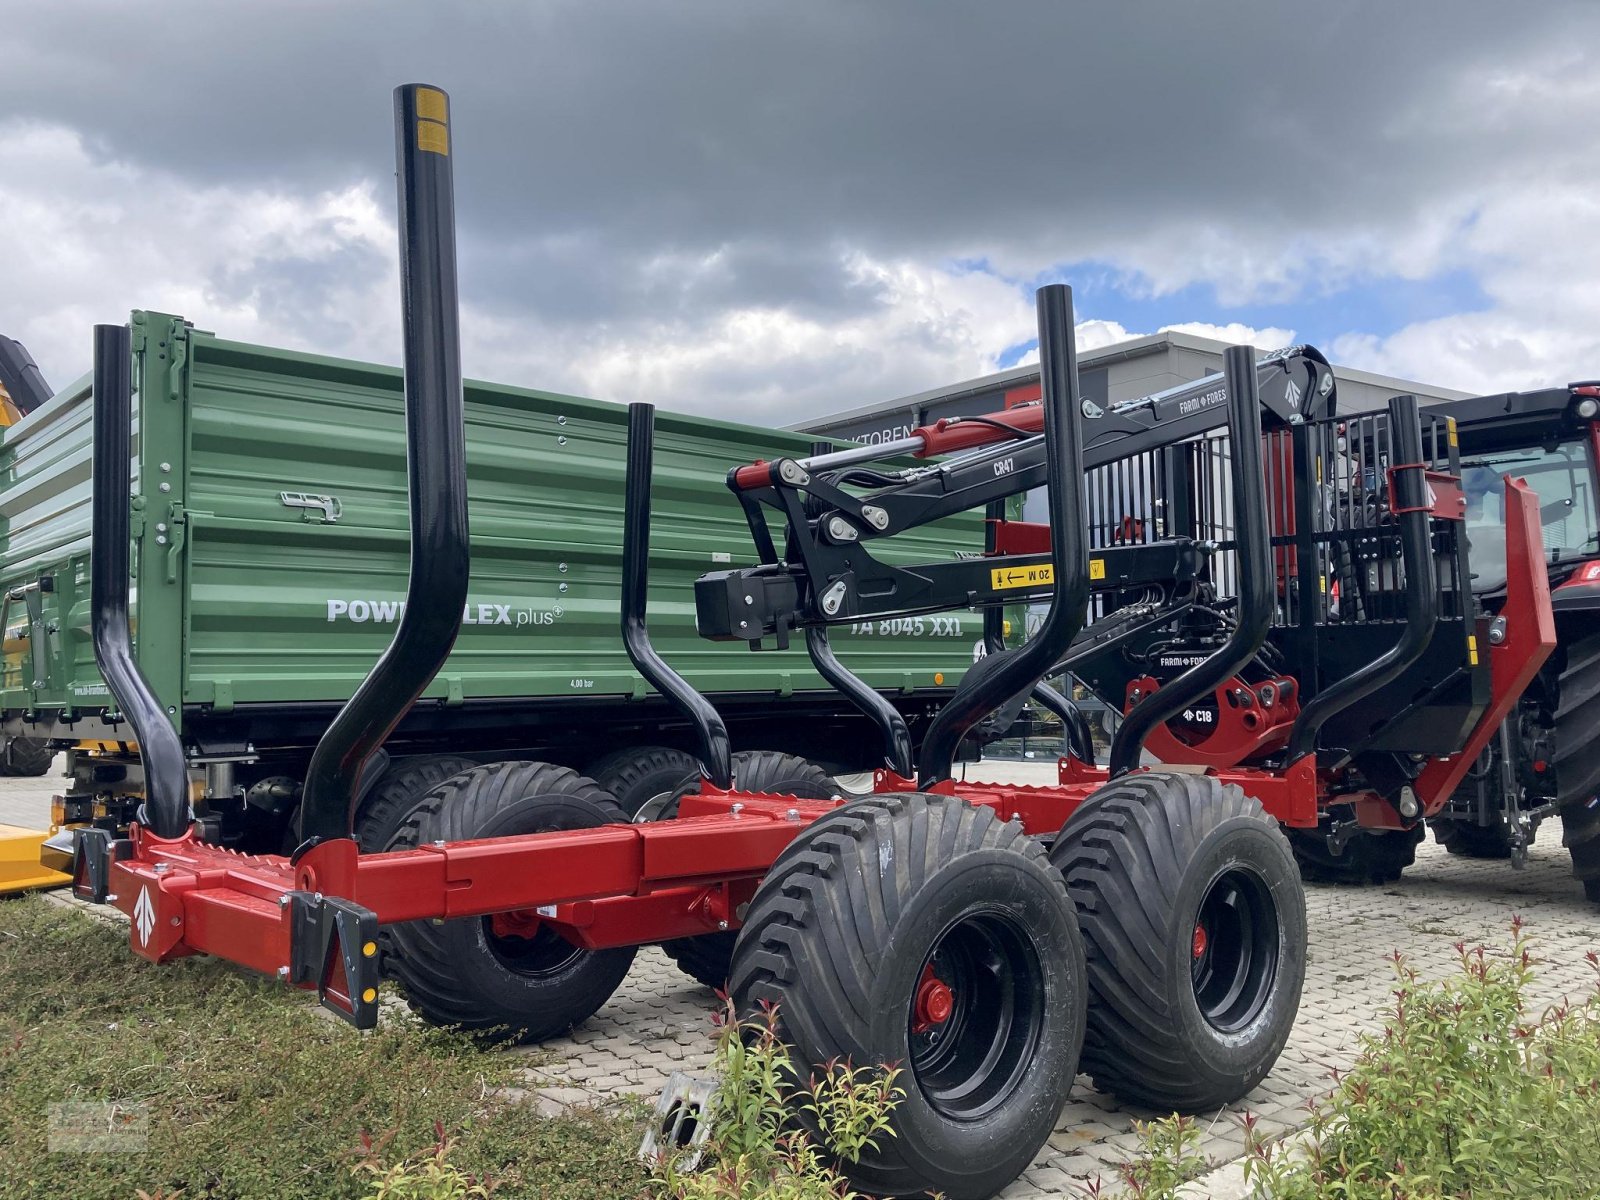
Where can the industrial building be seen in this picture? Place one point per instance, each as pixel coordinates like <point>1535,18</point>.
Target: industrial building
<point>1123,371</point>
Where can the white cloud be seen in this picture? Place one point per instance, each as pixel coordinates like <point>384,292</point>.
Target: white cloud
<point>929,326</point>
<point>89,240</point>
<point>1534,248</point>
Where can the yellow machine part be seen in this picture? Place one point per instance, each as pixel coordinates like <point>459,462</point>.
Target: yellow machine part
<point>9,413</point>
<point>20,867</point>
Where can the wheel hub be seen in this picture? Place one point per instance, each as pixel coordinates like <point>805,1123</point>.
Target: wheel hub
<point>975,1015</point>
<point>522,923</point>
<point>935,1002</point>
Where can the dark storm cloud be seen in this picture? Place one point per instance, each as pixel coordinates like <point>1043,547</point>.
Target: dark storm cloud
<point>668,162</point>
<point>901,126</point>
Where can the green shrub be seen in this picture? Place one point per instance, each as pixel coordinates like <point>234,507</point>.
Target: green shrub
<point>1464,1093</point>
<point>427,1175</point>
<point>1169,1157</point>
<point>757,1149</point>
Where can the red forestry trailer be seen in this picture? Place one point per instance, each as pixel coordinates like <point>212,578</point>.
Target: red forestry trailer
<point>970,934</point>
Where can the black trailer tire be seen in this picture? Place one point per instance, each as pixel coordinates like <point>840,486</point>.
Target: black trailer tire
<point>638,774</point>
<point>843,935</point>
<point>26,756</point>
<point>1467,839</point>
<point>1194,924</point>
<point>460,973</point>
<point>1577,761</point>
<point>401,789</point>
<point>1368,857</point>
<point>707,958</point>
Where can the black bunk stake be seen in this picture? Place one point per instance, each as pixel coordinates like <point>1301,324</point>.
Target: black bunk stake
<point>1019,669</point>
<point>436,593</point>
<point>166,808</point>
<point>1255,570</point>
<point>716,756</point>
<point>1422,585</point>
<point>891,724</point>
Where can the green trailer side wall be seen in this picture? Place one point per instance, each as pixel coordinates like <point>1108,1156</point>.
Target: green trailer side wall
<point>242,599</point>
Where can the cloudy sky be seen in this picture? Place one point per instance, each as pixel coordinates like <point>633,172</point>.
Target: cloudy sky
<point>776,210</point>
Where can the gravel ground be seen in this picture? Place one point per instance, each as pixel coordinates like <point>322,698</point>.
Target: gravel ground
<point>660,1021</point>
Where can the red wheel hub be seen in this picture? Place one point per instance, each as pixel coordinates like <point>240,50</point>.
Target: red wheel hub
<point>934,1004</point>
<point>522,923</point>
<point>1198,946</point>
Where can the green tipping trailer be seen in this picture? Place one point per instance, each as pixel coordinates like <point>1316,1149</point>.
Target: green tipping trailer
<point>269,561</point>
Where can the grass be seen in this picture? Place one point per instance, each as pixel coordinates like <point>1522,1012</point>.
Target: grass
<point>249,1092</point>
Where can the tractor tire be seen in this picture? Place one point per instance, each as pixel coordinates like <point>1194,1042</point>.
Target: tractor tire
<point>1469,840</point>
<point>505,985</point>
<point>1577,761</point>
<point>639,774</point>
<point>400,790</point>
<point>707,958</point>
<point>25,756</point>
<point>1194,924</point>
<point>925,932</point>
<point>1369,857</point>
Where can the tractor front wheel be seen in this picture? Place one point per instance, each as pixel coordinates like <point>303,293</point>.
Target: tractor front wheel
<point>920,931</point>
<point>509,976</point>
<point>1577,761</point>
<point>1471,840</point>
<point>1194,923</point>
<point>1375,856</point>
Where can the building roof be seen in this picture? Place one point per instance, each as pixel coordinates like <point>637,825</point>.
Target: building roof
<point>1104,356</point>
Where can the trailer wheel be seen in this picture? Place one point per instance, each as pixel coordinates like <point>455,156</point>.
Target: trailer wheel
<point>922,931</point>
<point>506,976</point>
<point>1194,923</point>
<point>26,756</point>
<point>399,791</point>
<point>1368,857</point>
<point>706,959</point>
<point>1577,761</point>
<point>642,773</point>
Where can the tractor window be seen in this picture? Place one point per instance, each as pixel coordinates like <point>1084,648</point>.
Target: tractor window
<point>1564,482</point>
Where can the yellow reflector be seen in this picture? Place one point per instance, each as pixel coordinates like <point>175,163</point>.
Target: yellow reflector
<point>369,995</point>
<point>1472,649</point>
<point>1450,424</point>
<point>938,676</point>
<point>433,137</point>
<point>369,949</point>
<point>432,105</point>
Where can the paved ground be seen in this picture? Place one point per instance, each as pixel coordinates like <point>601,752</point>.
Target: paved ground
<point>660,1021</point>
